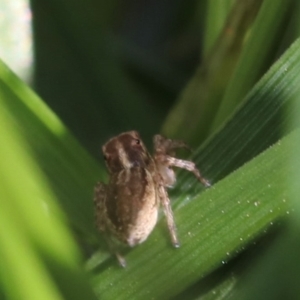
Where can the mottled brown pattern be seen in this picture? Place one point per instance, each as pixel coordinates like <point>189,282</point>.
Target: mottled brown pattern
<point>127,207</point>
<point>119,210</point>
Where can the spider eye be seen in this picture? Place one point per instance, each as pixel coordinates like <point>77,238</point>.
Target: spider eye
<point>137,141</point>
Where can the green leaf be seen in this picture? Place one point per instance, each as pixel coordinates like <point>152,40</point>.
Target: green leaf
<point>218,224</point>
<point>59,155</point>
<point>216,14</point>
<point>213,227</point>
<point>38,249</point>
<point>254,59</point>
<point>47,182</point>
<point>194,114</point>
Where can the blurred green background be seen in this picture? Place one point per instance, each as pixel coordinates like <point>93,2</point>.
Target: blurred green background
<point>107,67</point>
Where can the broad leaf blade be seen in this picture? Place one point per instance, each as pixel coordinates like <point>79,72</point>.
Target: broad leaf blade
<point>40,255</point>
<point>233,211</point>
<point>213,228</point>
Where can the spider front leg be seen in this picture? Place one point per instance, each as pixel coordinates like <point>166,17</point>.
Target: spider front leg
<point>187,165</point>
<point>166,204</point>
<point>164,151</point>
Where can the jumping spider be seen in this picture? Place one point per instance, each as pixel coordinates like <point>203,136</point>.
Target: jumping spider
<point>127,207</point>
